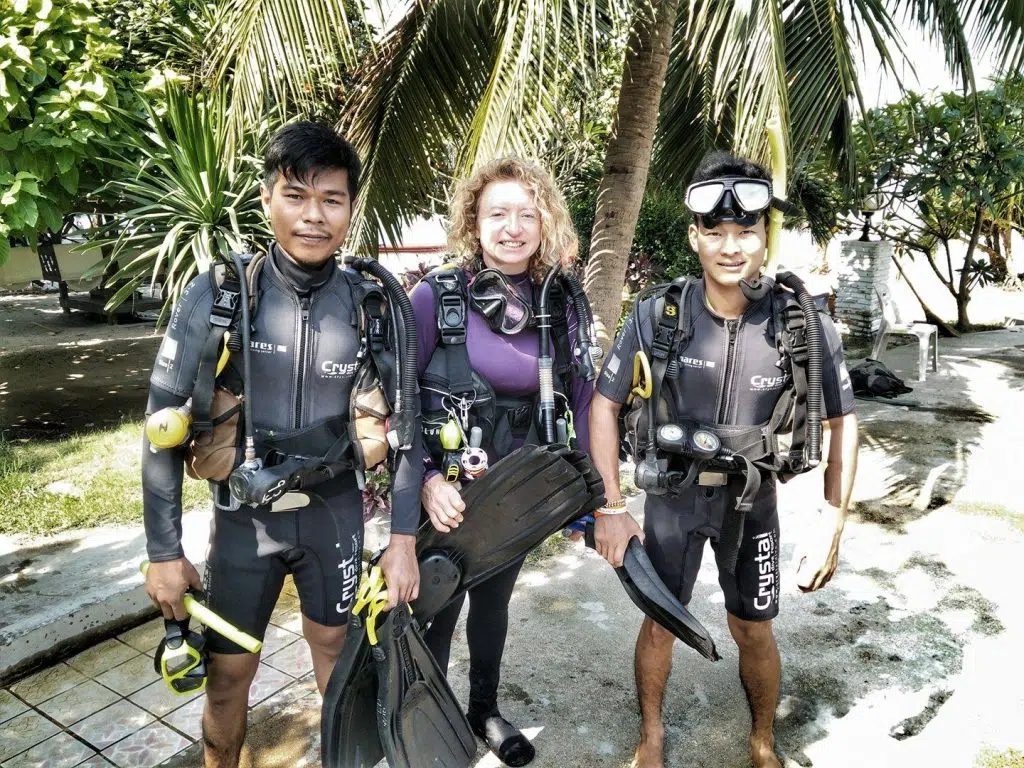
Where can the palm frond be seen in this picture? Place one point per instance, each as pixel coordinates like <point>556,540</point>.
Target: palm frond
<point>457,81</point>
<point>277,53</point>
<point>193,198</point>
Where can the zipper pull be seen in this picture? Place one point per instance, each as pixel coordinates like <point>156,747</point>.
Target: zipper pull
<point>304,305</point>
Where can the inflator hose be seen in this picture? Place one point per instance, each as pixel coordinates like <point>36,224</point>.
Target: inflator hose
<point>406,401</point>
<point>243,287</point>
<point>544,361</point>
<point>815,343</point>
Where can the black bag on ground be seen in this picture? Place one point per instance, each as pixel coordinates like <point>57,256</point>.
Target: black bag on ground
<point>871,377</point>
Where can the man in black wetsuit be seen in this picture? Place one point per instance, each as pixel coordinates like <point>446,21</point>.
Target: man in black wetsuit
<point>304,342</point>
<point>727,375</point>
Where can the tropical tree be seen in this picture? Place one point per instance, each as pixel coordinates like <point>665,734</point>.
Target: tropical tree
<point>193,197</point>
<point>695,76</point>
<point>948,167</point>
<point>445,84</point>
<point>58,100</point>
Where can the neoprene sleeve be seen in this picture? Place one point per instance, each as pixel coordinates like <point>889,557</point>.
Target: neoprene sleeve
<point>162,475</point>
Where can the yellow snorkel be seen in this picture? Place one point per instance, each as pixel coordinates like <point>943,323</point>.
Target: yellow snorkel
<point>777,143</point>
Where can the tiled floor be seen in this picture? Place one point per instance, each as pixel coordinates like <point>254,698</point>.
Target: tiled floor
<point>107,706</point>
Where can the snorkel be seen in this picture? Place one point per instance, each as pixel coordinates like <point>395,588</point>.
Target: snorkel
<point>545,362</point>
<point>777,143</point>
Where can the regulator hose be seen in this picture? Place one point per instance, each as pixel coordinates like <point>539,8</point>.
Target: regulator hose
<point>544,362</point>
<point>815,344</point>
<point>586,339</point>
<point>243,287</point>
<point>403,420</point>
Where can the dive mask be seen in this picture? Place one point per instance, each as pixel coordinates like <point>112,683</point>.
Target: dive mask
<point>730,198</point>
<point>180,659</point>
<point>500,304</point>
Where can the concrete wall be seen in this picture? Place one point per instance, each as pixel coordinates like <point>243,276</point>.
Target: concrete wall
<point>22,266</point>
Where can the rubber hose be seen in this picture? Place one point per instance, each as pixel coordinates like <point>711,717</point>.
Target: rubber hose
<point>250,442</point>
<point>544,362</point>
<point>815,344</point>
<point>406,330</point>
<point>585,337</point>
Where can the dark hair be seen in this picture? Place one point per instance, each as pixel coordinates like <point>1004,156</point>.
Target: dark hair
<point>716,165</point>
<point>303,149</point>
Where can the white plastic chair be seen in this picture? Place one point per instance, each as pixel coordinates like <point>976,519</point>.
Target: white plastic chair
<point>926,333</point>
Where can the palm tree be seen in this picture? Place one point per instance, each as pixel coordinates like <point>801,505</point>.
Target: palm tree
<point>453,82</point>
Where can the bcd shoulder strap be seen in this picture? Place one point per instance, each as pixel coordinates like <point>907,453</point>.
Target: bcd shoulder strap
<point>224,317</point>
<point>670,333</point>
<point>451,302</point>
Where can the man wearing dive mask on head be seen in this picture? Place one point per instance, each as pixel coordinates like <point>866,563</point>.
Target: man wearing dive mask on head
<point>306,340</point>
<point>727,379</point>
<point>479,368</point>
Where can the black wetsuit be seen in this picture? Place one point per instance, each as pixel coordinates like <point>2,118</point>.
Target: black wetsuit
<point>728,374</point>
<point>304,342</point>
<point>509,364</point>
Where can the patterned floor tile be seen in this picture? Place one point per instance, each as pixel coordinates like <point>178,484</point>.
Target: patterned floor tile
<point>102,657</point>
<point>146,748</point>
<point>289,587</point>
<point>289,619</point>
<point>275,704</point>
<point>10,705</point>
<point>131,676</point>
<point>189,719</point>
<point>294,660</point>
<point>48,683</point>
<point>287,601</point>
<point>112,724</point>
<point>95,762</point>
<point>268,681</point>
<point>78,703</point>
<point>24,731</point>
<point>145,637</point>
<point>60,750</point>
<point>277,638</point>
<point>158,699</point>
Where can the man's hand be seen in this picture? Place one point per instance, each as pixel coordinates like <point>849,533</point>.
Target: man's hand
<point>817,552</point>
<point>443,503</point>
<point>401,571</point>
<point>166,584</point>
<point>612,534</point>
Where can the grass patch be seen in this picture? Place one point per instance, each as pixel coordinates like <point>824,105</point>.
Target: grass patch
<point>989,758</point>
<point>78,482</point>
<point>556,544</point>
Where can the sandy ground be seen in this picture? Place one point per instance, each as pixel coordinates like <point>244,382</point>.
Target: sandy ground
<point>61,374</point>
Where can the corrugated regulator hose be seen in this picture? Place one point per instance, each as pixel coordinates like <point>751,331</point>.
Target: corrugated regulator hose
<point>815,344</point>
<point>403,420</point>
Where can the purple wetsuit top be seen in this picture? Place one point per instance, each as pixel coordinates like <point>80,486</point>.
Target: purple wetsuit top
<point>508,363</point>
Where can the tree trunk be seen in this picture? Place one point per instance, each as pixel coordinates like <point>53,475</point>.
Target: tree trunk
<point>627,163</point>
<point>930,317</point>
<point>963,294</point>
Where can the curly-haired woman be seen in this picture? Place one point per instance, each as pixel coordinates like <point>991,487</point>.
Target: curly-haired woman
<point>508,227</point>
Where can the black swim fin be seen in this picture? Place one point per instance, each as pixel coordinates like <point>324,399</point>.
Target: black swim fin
<point>649,593</point>
<point>420,722</point>
<point>522,499</point>
<point>348,723</point>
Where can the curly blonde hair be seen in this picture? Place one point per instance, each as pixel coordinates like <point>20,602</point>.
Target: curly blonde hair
<point>558,241</point>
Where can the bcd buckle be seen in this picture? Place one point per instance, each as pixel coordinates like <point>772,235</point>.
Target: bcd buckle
<point>451,320</point>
